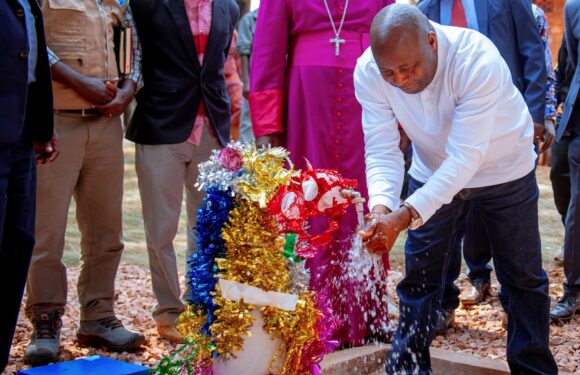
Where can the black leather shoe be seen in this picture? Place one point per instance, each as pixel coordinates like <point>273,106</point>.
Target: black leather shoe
<point>566,307</point>
<point>445,319</point>
<point>475,293</point>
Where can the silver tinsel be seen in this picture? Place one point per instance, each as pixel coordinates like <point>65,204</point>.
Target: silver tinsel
<point>300,277</point>
<point>213,174</point>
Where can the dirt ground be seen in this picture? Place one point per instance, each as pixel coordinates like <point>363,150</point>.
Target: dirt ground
<point>477,331</point>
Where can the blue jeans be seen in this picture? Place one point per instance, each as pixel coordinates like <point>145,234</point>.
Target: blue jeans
<point>476,252</point>
<point>509,211</point>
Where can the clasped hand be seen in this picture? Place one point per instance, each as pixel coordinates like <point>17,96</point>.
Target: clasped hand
<point>104,94</point>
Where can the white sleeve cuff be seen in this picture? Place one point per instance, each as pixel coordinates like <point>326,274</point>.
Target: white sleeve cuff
<point>422,205</point>
<point>391,204</point>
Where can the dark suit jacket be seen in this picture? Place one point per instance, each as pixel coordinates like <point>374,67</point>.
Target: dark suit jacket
<point>174,81</point>
<point>25,110</point>
<point>572,38</point>
<point>564,73</point>
<point>511,26</point>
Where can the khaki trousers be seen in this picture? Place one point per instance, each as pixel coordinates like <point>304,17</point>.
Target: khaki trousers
<point>163,171</point>
<point>90,168</point>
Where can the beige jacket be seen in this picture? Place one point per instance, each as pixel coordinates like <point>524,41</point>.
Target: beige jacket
<point>80,33</point>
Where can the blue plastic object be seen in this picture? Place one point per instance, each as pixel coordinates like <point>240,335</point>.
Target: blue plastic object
<point>95,365</point>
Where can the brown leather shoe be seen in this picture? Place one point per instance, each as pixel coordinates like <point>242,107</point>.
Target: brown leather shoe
<point>504,320</point>
<point>475,293</point>
<point>559,256</point>
<point>170,333</point>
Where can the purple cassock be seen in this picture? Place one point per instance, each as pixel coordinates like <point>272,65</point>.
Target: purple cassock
<point>302,88</point>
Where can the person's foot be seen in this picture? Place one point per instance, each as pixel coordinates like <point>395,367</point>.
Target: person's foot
<point>110,333</point>
<point>504,320</point>
<point>566,307</point>
<point>445,319</point>
<point>559,256</point>
<point>170,333</point>
<point>475,293</point>
<point>45,340</point>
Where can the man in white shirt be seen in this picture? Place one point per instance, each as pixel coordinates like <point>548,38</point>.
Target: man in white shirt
<point>472,135</point>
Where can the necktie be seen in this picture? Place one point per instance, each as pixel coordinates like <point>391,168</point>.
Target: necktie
<point>458,14</point>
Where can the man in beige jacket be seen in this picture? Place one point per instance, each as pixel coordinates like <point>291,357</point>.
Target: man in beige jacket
<point>89,99</point>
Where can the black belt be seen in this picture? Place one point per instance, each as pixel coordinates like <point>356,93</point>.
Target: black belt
<point>90,112</point>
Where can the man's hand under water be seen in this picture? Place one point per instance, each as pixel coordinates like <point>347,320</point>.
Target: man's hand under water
<point>382,227</point>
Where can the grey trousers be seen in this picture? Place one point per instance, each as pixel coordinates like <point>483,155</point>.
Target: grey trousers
<point>163,171</point>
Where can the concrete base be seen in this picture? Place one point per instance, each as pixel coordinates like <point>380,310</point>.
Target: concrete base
<point>370,360</point>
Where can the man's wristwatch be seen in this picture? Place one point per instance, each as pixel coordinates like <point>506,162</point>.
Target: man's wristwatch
<point>416,220</point>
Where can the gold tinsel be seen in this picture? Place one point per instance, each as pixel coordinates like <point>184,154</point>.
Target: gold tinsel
<point>189,326</point>
<point>265,172</point>
<point>232,321</point>
<point>298,331</point>
<point>254,250</point>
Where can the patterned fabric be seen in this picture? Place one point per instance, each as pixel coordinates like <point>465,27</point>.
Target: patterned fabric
<point>135,74</point>
<point>199,14</point>
<point>542,23</point>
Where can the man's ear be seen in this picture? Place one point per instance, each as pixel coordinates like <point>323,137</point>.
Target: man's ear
<point>432,38</point>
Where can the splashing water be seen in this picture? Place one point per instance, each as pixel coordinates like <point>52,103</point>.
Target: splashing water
<point>368,276</point>
<point>360,215</point>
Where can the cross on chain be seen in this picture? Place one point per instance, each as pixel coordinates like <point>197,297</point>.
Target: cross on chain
<point>337,42</point>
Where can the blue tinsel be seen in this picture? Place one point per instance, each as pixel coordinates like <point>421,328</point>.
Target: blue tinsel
<point>211,217</point>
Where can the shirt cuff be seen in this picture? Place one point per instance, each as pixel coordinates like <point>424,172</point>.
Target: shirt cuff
<point>391,204</point>
<point>421,204</point>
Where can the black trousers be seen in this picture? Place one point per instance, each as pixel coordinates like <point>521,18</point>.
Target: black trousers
<point>17,210</point>
<point>560,176</point>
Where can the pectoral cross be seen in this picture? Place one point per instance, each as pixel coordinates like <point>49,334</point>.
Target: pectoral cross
<point>337,42</point>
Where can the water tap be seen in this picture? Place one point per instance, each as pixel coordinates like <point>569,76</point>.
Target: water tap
<point>356,198</point>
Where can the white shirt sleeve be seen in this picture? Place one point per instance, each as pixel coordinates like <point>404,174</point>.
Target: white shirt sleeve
<point>477,86</point>
<point>384,160</point>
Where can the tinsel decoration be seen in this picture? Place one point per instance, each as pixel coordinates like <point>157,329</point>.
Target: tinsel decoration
<point>253,250</point>
<point>194,357</point>
<point>211,217</point>
<point>221,170</point>
<point>185,361</point>
<point>264,172</point>
<point>299,277</point>
<point>312,193</point>
<point>306,333</point>
<point>251,232</point>
<point>233,322</point>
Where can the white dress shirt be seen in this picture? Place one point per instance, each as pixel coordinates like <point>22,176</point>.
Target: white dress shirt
<point>470,127</point>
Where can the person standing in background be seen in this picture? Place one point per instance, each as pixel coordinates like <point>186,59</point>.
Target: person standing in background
<point>183,112</point>
<point>569,304</point>
<point>246,31</point>
<point>26,135</point>
<point>89,100</point>
<point>511,26</point>
<point>302,97</point>
<point>559,166</point>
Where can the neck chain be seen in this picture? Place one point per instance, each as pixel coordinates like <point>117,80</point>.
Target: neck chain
<point>336,40</point>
